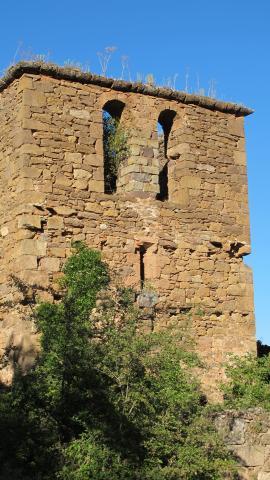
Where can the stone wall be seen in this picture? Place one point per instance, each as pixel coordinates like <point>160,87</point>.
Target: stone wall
<point>191,245</point>
<point>247,434</point>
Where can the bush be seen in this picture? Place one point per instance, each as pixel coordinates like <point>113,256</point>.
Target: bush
<point>104,400</point>
<point>248,383</point>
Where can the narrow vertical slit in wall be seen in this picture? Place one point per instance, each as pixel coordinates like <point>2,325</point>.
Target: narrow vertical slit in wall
<point>141,250</point>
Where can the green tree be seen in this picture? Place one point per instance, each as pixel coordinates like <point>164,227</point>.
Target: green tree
<point>105,400</point>
<point>248,382</point>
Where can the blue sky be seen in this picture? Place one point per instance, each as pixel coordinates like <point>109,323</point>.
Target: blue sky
<point>223,45</point>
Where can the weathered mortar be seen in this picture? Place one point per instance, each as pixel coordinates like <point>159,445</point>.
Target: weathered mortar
<point>52,184</point>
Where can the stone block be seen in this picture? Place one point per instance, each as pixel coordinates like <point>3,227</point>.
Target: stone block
<point>240,158</point>
<point>236,126</point>
<point>241,145</point>
<point>234,290</point>
<point>33,98</point>
<point>93,160</point>
<point>98,174</point>
<point>26,262</point>
<point>99,146</point>
<point>55,223</point>
<point>73,157</point>
<point>32,247</point>
<point>63,181</point>
<point>33,124</point>
<point>129,169</point>
<point>36,278</point>
<point>250,455</point>
<point>58,252</point>
<point>149,169</point>
<point>135,149</point>
<point>147,299</point>
<point>220,191</point>
<point>64,211</point>
<point>180,197</point>
<point>25,184</point>
<point>149,187</point>
<point>96,186</point>
<point>82,114</point>
<point>189,181</point>
<point>4,231</point>
<point>80,184</point>
<point>33,149</point>
<point>29,221</point>
<point>205,167</point>
<point>44,296</point>
<point>25,82</point>
<point>31,172</point>
<point>93,207</point>
<point>50,264</point>
<point>21,137</point>
<point>110,213</point>
<point>148,152</point>
<point>80,174</point>
<point>263,476</point>
<point>244,250</point>
<point>96,130</point>
<point>33,198</point>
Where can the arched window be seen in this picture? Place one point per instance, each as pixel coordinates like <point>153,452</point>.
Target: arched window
<point>165,122</point>
<point>113,143</point>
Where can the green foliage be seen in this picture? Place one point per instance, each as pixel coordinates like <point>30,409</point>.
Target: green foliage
<point>159,408</point>
<point>104,400</point>
<point>84,276</point>
<point>248,382</point>
<point>116,150</point>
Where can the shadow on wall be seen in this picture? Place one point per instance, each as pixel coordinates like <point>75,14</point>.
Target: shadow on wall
<point>18,356</point>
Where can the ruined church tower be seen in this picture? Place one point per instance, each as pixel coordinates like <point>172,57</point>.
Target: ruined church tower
<point>175,223</point>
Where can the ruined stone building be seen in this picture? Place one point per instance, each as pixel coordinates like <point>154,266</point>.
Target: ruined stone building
<point>175,222</point>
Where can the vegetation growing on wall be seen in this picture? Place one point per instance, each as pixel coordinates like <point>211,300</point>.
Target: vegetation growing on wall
<point>105,400</point>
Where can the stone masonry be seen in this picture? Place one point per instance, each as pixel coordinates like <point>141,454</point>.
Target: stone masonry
<point>189,247</point>
<point>247,434</point>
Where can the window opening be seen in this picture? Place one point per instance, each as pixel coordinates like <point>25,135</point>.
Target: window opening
<point>165,120</point>
<point>164,126</point>
<point>114,143</point>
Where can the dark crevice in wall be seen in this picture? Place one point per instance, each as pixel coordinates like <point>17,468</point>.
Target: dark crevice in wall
<point>103,243</point>
<point>142,251</point>
<point>216,244</point>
